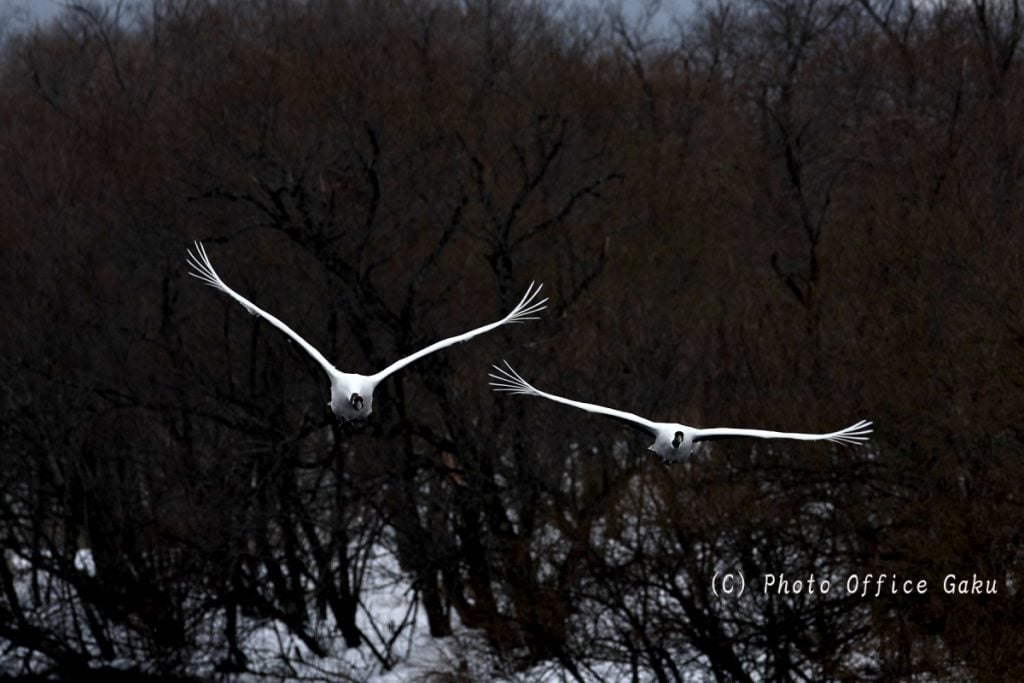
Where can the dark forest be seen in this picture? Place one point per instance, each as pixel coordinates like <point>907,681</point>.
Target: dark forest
<point>788,214</point>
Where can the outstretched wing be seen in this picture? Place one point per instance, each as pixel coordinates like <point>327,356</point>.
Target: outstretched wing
<point>203,270</point>
<point>525,310</point>
<point>854,434</point>
<point>508,380</point>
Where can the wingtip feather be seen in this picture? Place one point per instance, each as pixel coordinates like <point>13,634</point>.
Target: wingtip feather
<point>528,305</point>
<point>854,435</point>
<point>510,381</point>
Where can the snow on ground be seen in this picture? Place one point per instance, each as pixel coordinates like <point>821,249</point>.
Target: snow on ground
<point>400,647</point>
<point>390,617</point>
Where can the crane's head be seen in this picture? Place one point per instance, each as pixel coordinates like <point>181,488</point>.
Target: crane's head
<point>673,443</point>
<point>351,398</point>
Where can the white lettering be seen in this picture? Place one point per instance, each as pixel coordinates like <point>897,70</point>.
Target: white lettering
<point>972,586</point>
<point>780,585</point>
<point>876,585</point>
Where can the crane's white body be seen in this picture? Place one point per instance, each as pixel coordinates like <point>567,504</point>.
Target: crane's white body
<point>352,393</point>
<point>673,441</point>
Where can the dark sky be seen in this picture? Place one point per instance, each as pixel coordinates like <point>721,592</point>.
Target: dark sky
<point>43,10</point>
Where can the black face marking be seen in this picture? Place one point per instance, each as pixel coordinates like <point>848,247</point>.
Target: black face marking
<point>678,439</point>
<point>357,401</point>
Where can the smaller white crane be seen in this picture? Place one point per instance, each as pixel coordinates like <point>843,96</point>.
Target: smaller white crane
<point>673,441</point>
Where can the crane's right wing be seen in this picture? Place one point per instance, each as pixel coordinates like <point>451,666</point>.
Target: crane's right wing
<point>508,380</point>
<point>203,270</point>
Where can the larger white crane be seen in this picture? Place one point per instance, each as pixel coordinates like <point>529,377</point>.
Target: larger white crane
<point>352,393</point>
<point>673,441</point>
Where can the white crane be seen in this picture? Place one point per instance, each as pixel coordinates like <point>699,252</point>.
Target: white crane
<point>673,441</point>
<point>351,393</point>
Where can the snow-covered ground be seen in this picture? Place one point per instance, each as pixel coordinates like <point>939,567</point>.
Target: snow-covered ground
<point>398,644</point>
<point>391,618</point>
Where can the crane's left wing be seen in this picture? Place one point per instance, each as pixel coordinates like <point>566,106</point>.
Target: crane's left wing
<point>854,434</point>
<point>526,309</point>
